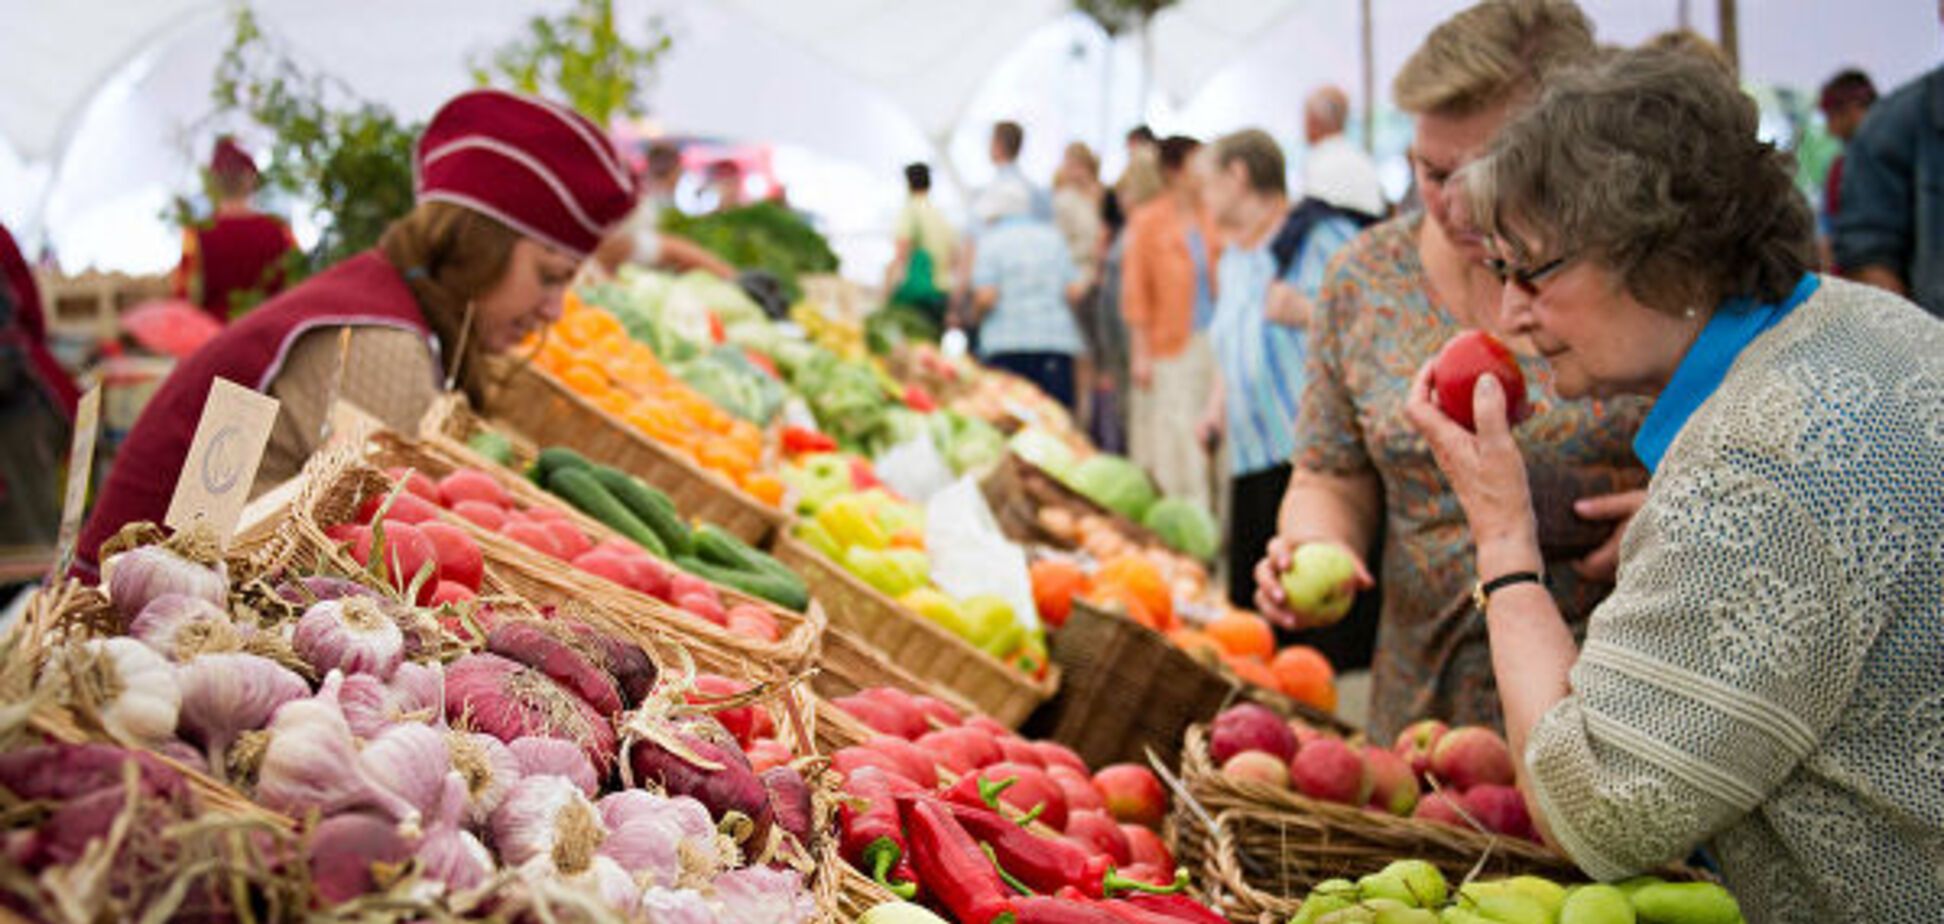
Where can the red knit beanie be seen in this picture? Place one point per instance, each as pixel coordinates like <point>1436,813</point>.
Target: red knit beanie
<point>537,166</point>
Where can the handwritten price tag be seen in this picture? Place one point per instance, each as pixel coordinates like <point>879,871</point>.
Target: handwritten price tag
<point>222,462</point>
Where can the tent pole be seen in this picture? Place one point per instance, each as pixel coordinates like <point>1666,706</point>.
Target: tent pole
<point>1730,34</point>
<point>1370,80</point>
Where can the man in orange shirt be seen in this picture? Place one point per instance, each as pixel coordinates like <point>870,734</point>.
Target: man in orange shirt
<point>1168,299</point>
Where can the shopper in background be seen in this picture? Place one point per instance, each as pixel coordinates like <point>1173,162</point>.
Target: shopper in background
<point>1024,287</point>
<point>660,176</point>
<point>237,257</point>
<point>1389,301</point>
<point>726,182</point>
<point>1077,195</point>
<point>1845,100</point>
<point>1168,300</point>
<point>1102,323</point>
<point>37,401</point>
<point>1890,232</point>
<point>1335,170</point>
<point>920,274</point>
<point>1778,628</point>
<point>1008,139</point>
<point>513,191</point>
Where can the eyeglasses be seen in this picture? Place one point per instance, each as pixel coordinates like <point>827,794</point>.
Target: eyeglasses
<point>1526,279</point>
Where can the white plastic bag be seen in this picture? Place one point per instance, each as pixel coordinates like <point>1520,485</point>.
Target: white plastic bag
<point>969,555</point>
<point>914,468</point>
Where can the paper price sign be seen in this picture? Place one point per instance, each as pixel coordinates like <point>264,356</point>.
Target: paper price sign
<point>222,462</point>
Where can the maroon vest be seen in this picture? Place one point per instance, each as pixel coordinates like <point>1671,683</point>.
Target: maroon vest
<point>362,291</point>
<point>239,253</point>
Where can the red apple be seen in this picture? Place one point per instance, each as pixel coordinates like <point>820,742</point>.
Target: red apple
<point>1393,788</point>
<point>961,750</point>
<point>416,482</point>
<point>1457,367</point>
<point>1259,767</point>
<point>484,516</point>
<point>1331,770</point>
<point>1054,754</point>
<point>449,592</point>
<point>1500,809</point>
<point>1441,808</point>
<point>459,559</point>
<point>470,484</point>
<point>1250,727</point>
<point>1416,742</point>
<point>405,508</point>
<point>1078,789</point>
<point>1472,756</point>
<point>1133,794</point>
<point>1150,850</point>
<point>1020,751</point>
<point>1099,833</point>
<point>1306,733</point>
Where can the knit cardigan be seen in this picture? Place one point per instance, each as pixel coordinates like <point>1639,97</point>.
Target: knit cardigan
<point>1767,678</point>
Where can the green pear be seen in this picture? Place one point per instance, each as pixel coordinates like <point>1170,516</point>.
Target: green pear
<point>1321,903</point>
<point>1686,903</point>
<point>1596,904</point>
<point>1546,892</point>
<point>1507,907</point>
<point>899,913</point>
<point>1426,882</point>
<point>1456,915</point>
<point>1405,916</point>
<point>1350,914</point>
<point>1628,887</point>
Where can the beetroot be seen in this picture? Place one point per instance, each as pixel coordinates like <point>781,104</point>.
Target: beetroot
<point>695,756</point>
<point>560,654</point>
<point>1250,727</point>
<point>488,693</point>
<point>790,800</point>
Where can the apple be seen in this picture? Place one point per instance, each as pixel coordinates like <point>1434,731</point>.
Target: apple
<point>1332,771</point>
<point>1439,807</point>
<point>1078,789</point>
<point>1020,751</point>
<point>1472,756</point>
<point>1054,754</point>
<point>1257,767</point>
<point>1500,809</point>
<point>1321,582</point>
<point>1455,372</point>
<point>1133,794</point>
<point>1416,742</point>
<point>1250,727</point>
<point>1392,786</point>
<point>1150,850</point>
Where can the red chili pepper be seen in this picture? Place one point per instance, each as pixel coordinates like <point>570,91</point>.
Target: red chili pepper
<point>1175,908</point>
<point>872,839</point>
<point>919,400</point>
<point>1046,864</point>
<point>951,865</point>
<point>762,362</point>
<point>977,792</point>
<point>863,477</point>
<point>1046,909</point>
<point>801,440</point>
<point>716,332</point>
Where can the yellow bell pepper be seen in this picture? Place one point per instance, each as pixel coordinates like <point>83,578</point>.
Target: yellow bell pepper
<point>848,520</point>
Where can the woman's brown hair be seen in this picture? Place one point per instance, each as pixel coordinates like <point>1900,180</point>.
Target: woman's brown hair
<point>451,255</point>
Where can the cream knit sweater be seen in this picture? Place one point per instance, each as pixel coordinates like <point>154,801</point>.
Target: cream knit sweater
<point>1767,678</point>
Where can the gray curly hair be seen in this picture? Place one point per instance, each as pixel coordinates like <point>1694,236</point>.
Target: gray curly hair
<point>1649,163</point>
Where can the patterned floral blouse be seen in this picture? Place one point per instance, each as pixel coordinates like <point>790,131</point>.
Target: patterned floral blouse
<point>1377,323</point>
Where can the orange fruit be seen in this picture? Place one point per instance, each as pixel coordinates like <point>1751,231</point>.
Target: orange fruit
<point>1252,670</point>
<point>1117,599</point>
<point>1055,583</point>
<point>1243,635</point>
<point>585,379</point>
<point>1196,643</point>
<point>1142,580</point>
<point>1305,675</point>
<point>765,487</point>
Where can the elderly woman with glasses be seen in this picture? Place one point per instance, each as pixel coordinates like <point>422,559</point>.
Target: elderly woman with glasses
<point>1767,679</point>
<point>1363,479</point>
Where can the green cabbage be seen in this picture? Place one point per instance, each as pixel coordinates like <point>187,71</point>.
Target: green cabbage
<point>1116,484</point>
<point>1185,526</point>
<point>1044,450</point>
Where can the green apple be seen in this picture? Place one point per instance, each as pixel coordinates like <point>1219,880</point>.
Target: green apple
<point>1321,582</point>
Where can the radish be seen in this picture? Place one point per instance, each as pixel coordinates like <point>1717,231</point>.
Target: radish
<point>485,516</point>
<point>459,558</point>
<point>417,483</point>
<point>568,537</point>
<point>406,508</point>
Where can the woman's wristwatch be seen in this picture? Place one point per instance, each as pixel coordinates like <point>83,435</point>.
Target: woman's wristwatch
<point>1482,591</point>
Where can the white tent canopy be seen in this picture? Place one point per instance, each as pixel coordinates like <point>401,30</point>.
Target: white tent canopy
<point>108,100</point>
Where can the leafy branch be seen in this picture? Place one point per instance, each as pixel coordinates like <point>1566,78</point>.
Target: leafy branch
<point>579,56</point>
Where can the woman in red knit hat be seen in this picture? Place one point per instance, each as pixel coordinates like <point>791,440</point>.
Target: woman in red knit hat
<point>239,250</point>
<point>513,193</point>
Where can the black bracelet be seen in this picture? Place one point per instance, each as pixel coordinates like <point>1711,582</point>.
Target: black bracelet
<point>1482,592</point>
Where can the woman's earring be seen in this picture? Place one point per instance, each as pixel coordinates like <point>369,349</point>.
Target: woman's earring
<point>1689,314</point>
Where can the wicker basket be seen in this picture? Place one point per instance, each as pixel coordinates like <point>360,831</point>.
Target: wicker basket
<point>1286,843</point>
<point>916,644</point>
<point>848,665</point>
<point>1018,490</point>
<point>535,404</point>
<point>548,581</point>
<point>450,423</point>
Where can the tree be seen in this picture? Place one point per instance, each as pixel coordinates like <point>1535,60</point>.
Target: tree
<point>580,57</point>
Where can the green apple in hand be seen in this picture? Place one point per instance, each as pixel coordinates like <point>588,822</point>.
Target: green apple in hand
<point>1321,582</point>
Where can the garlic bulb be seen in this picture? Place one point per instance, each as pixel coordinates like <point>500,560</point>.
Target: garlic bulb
<point>406,767</point>
<point>546,816</point>
<point>311,761</point>
<point>763,895</point>
<point>417,692</point>
<point>663,841</point>
<point>366,702</point>
<point>131,688</point>
<point>345,848</point>
<point>351,634</point>
<point>600,877</point>
<point>135,578</point>
<point>449,854</point>
<point>490,771</point>
<point>226,694</point>
<point>172,623</point>
<point>541,756</point>
<point>675,906</point>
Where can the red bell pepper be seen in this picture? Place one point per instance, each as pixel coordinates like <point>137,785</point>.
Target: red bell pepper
<point>803,440</point>
<point>872,839</point>
<point>919,400</point>
<point>952,867</point>
<point>863,477</point>
<point>1046,864</point>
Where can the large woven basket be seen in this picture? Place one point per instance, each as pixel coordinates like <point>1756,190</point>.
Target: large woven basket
<point>533,403</point>
<point>916,644</point>
<point>1018,490</point>
<point>549,581</point>
<point>848,665</point>
<point>1283,843</point>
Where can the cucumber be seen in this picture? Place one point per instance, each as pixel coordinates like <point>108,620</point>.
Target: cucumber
<point>790,595</point>
<point>552,459</point>
<point>713,544</point>
<point>586,494</point>
<point>492,445</point>
<point>649,505</point>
